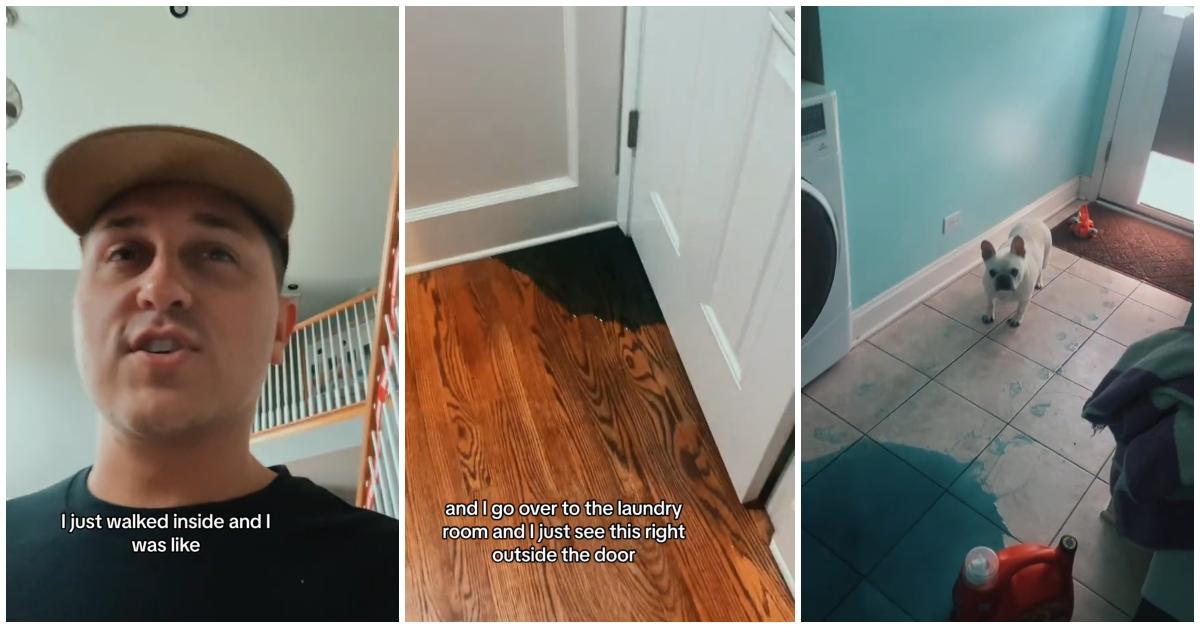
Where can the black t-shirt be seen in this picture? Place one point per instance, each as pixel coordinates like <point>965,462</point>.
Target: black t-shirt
<point>321,559</point>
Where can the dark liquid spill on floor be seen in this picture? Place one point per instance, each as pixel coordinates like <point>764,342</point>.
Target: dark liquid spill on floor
<point>546,375</point>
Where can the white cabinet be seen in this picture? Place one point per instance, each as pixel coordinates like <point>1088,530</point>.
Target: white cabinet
<point>713,217</point>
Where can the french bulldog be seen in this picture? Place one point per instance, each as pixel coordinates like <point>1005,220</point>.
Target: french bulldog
<point>1015,271</point>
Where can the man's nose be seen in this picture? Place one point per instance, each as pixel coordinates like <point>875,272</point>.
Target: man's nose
<point>162,288</point>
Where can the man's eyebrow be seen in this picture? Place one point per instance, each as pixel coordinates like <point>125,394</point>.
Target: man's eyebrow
<point>220,222</point>
<point>121,222</point>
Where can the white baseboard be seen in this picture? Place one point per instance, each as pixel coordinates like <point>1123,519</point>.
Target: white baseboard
<point>783,567</point>
<point>489,199</point>
<point>875,314</point>
<point>513,246</point>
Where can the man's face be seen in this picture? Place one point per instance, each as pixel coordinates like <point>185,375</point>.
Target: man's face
<point>177,312</point>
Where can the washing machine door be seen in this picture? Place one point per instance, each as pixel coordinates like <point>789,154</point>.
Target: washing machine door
<point>819,243</point>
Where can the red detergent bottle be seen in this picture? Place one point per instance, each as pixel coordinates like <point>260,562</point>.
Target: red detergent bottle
<point>1027,582</point>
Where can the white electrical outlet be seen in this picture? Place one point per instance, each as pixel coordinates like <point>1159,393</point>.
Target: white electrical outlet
<point>950,223</point>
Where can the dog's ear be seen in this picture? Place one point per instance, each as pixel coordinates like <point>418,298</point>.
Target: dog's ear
<point>989,251</point>
<point>1018,246</point>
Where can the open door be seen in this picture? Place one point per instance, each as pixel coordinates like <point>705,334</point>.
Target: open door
<point>712,213</point>
<point>1149,166</point>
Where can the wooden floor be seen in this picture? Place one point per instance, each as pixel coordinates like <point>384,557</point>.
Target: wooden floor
<point>547,375</point>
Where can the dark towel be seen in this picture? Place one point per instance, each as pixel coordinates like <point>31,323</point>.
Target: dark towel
<point>1146,400</point>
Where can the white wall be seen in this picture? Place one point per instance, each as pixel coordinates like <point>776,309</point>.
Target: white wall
<point>51,428</point>
<point>485,100</point>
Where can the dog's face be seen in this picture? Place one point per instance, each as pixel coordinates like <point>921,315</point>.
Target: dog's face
<point>1004,272</point>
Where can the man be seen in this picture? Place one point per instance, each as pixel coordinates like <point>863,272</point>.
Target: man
<point>177,314</point>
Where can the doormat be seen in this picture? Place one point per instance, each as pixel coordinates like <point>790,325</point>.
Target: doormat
<point>1135,247</point>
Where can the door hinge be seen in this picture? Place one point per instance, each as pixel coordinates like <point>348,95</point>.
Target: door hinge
<point>1108,151</point>
<point>631,140</point>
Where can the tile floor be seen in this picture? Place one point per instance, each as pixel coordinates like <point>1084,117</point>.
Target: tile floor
<point>940,433</point>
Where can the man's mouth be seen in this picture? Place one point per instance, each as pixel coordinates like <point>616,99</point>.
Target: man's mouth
<point>162,342</point>
<point>162,346</point>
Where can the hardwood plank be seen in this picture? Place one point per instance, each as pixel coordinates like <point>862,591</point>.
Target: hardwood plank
<point>547,375</point>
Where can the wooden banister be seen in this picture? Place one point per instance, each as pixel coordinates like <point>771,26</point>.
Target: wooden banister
<point>333,311</point>
<point>315,421</point>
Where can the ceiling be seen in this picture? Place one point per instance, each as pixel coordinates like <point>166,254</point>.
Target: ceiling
<point>314,90</point>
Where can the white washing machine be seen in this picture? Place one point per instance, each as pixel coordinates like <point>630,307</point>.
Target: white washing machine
<point>824,258</point>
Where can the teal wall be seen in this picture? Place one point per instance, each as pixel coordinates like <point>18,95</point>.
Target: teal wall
<point>979,110</point>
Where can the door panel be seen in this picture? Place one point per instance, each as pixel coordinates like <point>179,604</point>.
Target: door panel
<point>712,215</point>
<point>763,197</point>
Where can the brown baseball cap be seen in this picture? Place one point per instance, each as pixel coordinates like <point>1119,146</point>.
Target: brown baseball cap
<point>94,169</point>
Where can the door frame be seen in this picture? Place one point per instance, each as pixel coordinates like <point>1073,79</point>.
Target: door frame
<point>1090,190</point>
<point>631,71</point>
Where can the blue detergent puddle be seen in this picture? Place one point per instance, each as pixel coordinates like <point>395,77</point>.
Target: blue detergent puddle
<point>918,573</point>
<point>1039,409</point>
<point>1015,388</point>
<point>809,468</point>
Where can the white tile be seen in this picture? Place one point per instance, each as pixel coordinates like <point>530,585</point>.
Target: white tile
<point>1093,361</point>
<point>822,437</point>
<point>1079,300</point>
<point>1106,470</point>
<point>964,301</point>
<point>865,386</point>
<point>1061,259</point>
<point>1134,321</point>
<point>1043,336</point>
<point>1162,301</point>
<point>926,339</point>
<point>1097,274</point>
<point>1092,607</point>
<point>1054,418</point>
<point>1105,562</point>
<point>1050,274</point>
<point>995,378</point>
<point>1022,486</point>
<point>937,421</point>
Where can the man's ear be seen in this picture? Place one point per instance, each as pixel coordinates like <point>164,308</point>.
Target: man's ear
<point>1018,246</point>
<point>988,250</point>
<point>283,328</point>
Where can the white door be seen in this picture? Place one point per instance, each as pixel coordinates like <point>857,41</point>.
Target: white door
<point>712,216</point>
<point>1156,32</point>
<point>511,124</point>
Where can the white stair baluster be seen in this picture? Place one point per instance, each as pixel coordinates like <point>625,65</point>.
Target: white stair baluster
<point>343,346</point>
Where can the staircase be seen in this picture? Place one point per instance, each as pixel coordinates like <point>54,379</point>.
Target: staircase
<point>342,365</point>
